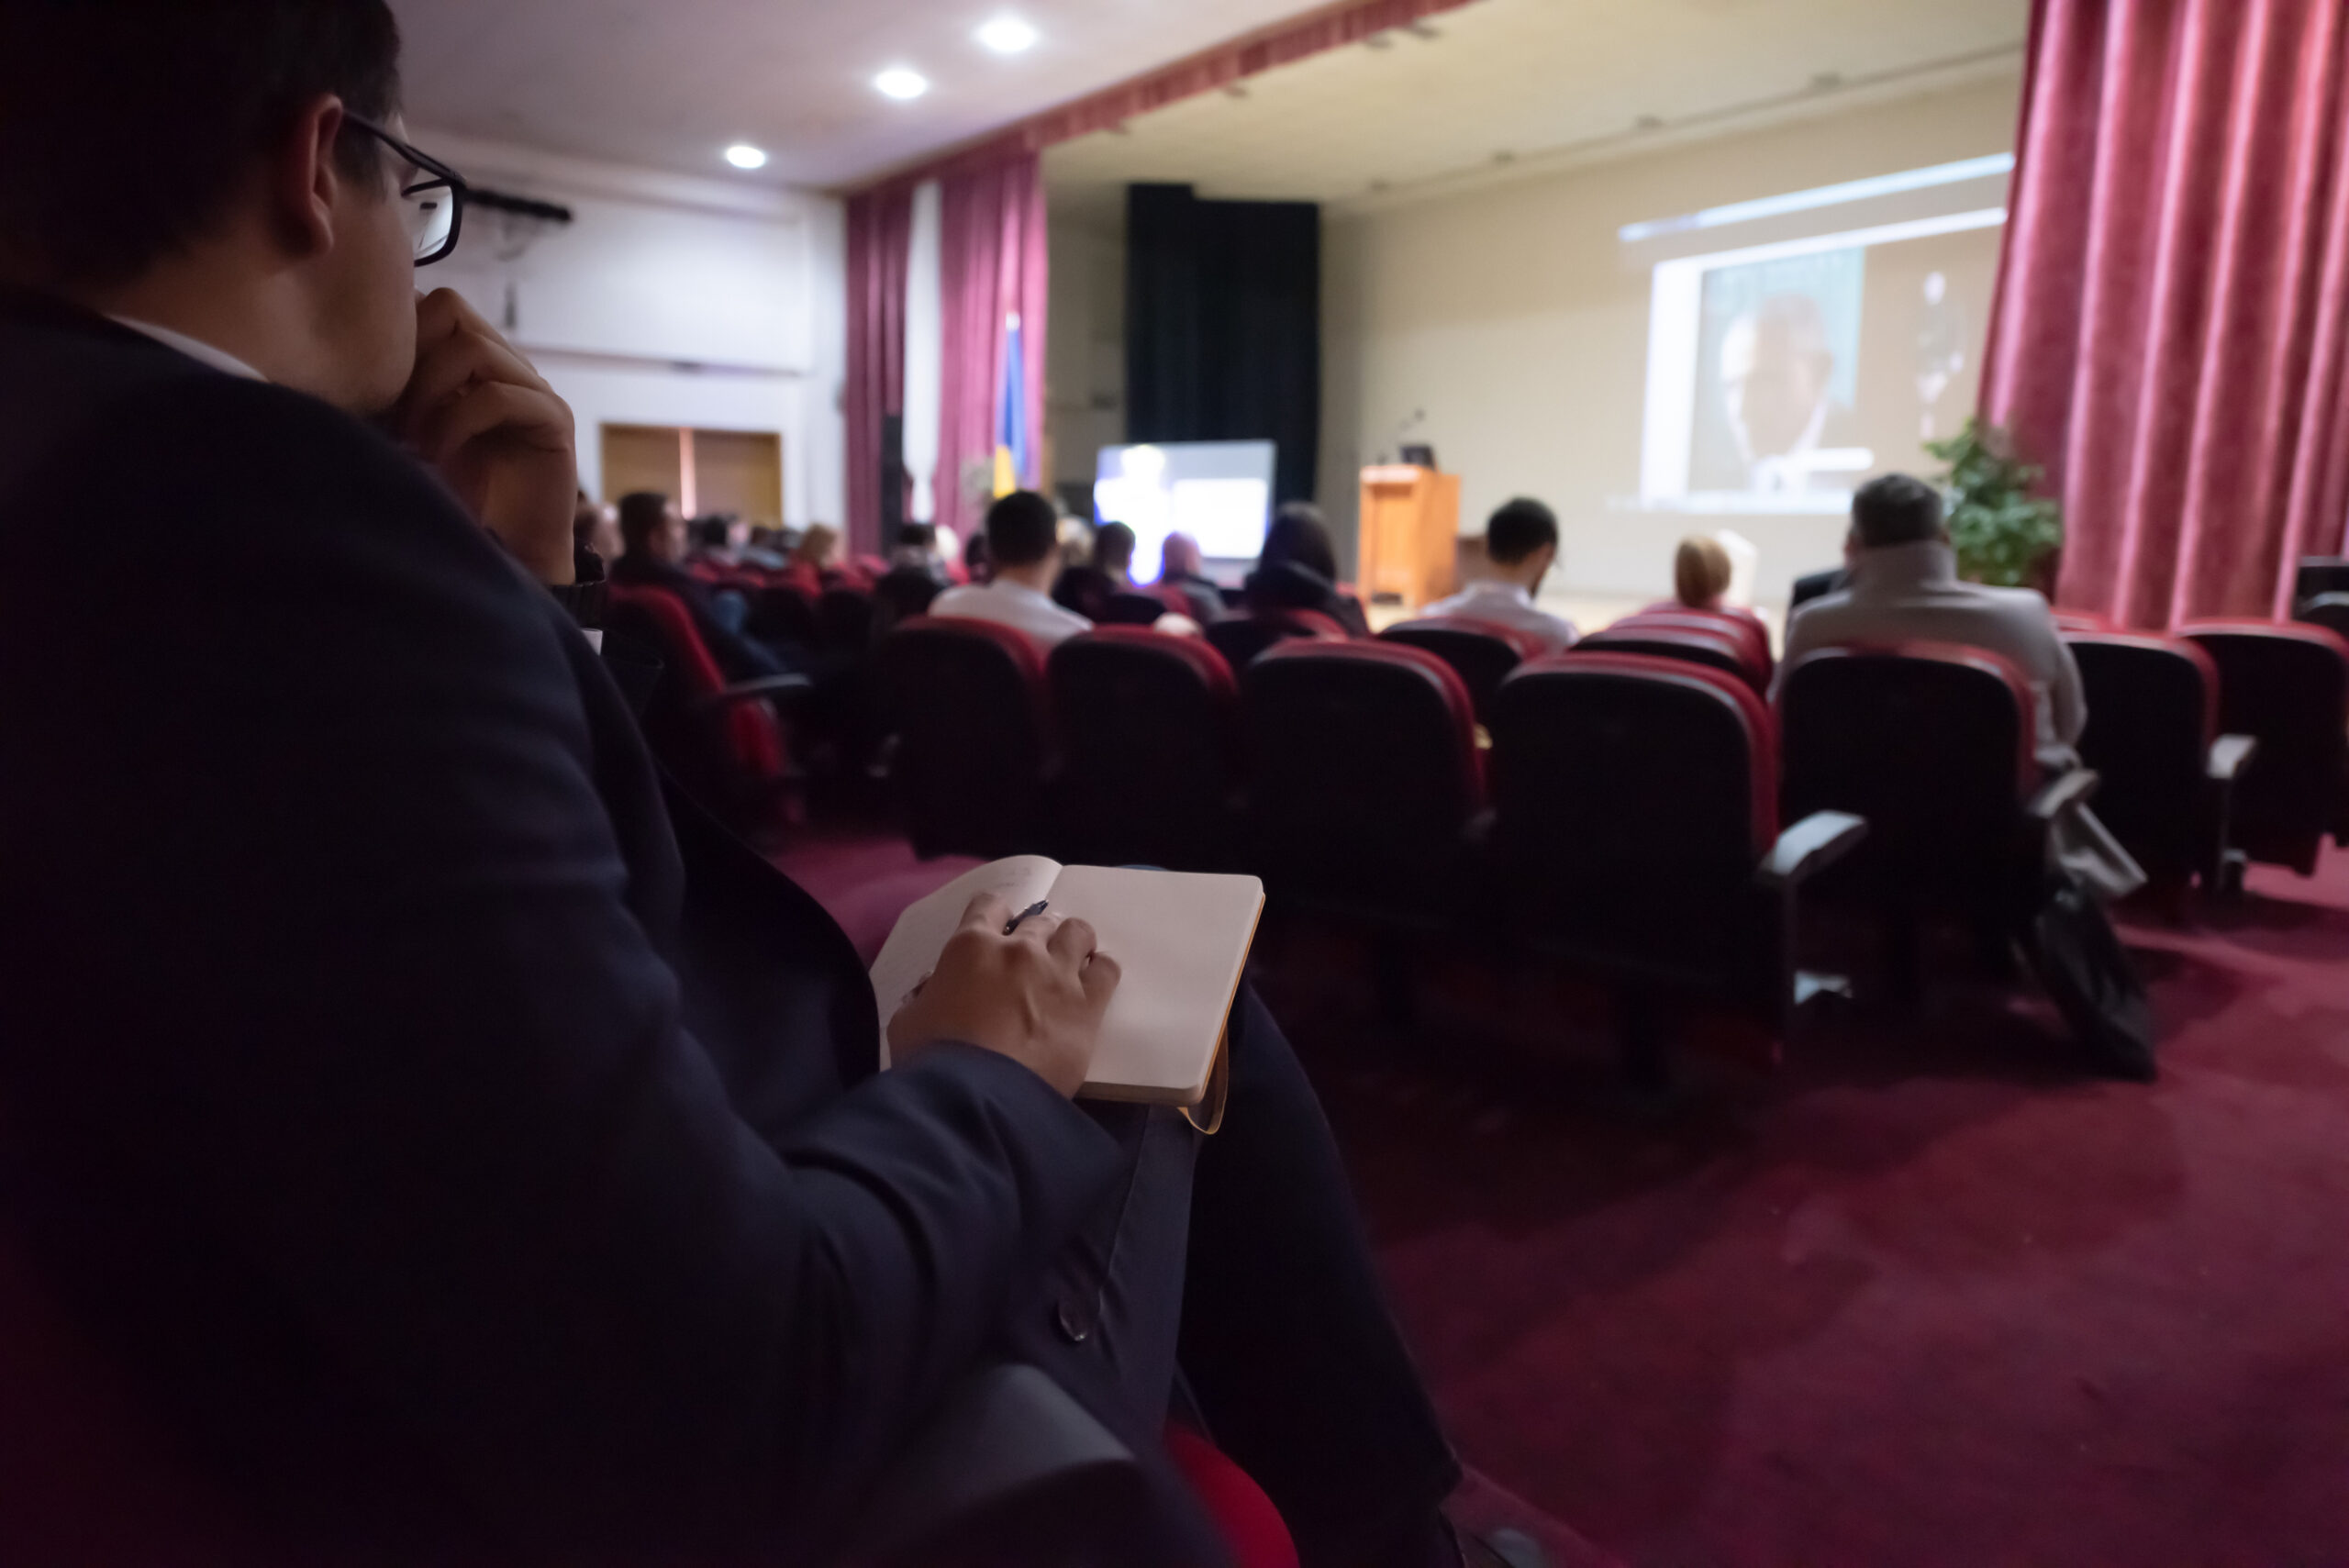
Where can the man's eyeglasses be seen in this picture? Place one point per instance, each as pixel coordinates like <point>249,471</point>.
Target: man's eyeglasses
<point>432,196</point>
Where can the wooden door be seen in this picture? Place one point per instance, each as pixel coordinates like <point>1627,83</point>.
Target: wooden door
<point>739,472</point>
<point>644,457</point>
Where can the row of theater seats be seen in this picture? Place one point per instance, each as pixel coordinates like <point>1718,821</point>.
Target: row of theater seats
<point>1627,808</point>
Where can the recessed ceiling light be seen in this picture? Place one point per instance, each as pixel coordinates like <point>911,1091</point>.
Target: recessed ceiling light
<point>742,155</point>
<point>901,83</point>
<point>1007,35</point>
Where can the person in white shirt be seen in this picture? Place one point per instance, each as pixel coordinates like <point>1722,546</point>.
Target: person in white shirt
<point>1904,586</point>
<point>1521,542</point>
<point>1023,542</point>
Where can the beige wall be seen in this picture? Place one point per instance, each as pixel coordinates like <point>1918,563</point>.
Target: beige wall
<point>1511,314</point>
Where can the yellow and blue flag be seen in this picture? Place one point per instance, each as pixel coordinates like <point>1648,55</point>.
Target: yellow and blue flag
<point>1011,456</point>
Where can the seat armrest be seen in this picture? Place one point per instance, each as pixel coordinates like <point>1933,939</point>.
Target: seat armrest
<point>1005,1433</point>
<point>764,688</point>
<point>2059,794</point>
<point>2229,754</point>
<point>1811,845</point>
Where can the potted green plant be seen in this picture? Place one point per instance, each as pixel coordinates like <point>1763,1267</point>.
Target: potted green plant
<point>2004,535</point>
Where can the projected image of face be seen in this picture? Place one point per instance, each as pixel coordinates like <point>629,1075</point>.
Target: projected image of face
<point>1777,355</point>
<point>1777,370</point>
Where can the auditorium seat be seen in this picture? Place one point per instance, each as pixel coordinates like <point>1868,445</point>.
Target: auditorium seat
<point>1364,778</point>
<point>2153,738</point>
<point>1149,725</point>
<point>845,619</point>
<point>782,614</point>
<point>1240,638</point>
<point>966,701</point>
<point>1132,608</point>
<point>1712,646</point>
<point>1479,652</point>
<point>899,595</point>
<point>2330,611</point>
<point>1933,745</point>
<point>1743,627</point>
<point>2286,686</point>
<point>724,742</point>
<point>1635,833</point>
<point>2316,575</point>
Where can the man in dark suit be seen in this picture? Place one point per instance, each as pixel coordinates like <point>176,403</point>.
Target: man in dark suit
<point>462,1147</point>
<point>652,543</point>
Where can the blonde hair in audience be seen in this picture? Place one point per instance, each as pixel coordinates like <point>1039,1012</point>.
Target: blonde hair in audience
<point>817,545</point>
<point>1701,573</point>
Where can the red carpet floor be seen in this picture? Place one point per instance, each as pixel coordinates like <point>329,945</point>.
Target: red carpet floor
<point>1923,1296</point>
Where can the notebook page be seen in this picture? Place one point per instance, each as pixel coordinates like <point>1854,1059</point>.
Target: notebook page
<point>1182,940</point>
<point>912,950</point>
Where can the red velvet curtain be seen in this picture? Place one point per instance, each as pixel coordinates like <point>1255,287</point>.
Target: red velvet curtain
<point>880,234</point>
<point>992,266</point>
<point>2168,337</point>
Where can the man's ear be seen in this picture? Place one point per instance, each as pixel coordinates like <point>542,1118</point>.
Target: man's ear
<point>306,190</point>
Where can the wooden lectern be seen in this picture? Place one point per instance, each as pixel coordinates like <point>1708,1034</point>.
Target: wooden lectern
<point>1410,545</point>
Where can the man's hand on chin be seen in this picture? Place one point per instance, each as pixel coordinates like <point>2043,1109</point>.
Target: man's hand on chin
<point>478,412</point>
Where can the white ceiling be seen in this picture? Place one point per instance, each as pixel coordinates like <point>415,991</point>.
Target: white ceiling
<point>668,84</point>
<point>1499,86</point>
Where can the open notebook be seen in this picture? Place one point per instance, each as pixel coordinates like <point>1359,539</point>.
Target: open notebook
<point>1180,938</point>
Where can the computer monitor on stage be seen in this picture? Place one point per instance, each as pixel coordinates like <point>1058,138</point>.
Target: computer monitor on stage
<point>1220,492</point>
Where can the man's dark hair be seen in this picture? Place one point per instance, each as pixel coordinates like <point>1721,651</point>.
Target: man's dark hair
<point>1113,548</point>
<point>918,536</point>
<point>127,126</point>
<point>1022,529</point>
<point>1895,509</point>
<point>710,532</point>
<point>1518,529</point>
<point>1299,538</point>
<point>641,512</point>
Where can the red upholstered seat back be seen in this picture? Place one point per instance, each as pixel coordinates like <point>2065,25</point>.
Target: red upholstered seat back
<point>1241,638</point>
<point>1643,692</point>
<point>753,742</point>
<point>1363,771</point>
<point>967,700</point>
<point>1632,798</point>
<point>1716,647</point>
<point>2286,685</point>
<point>1251,1527</point>
<point>2152,711</point>
<point>1149,749</point>
<point>1744,625</point>
<point>1481,652</point>
<point>1932,743</point>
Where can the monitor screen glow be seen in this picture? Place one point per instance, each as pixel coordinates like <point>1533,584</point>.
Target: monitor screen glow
<point>1220,492</point>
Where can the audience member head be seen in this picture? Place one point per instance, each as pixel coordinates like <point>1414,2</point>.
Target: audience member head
<point>1298,537</point>
<point>1113,549</point>
<point>1701,571</point>
<point>1521,541</point>
<point>584,515</point>
<point>818,546</point>
<point>1181,558</point>
<point>766,538</point>
<point>977,564</point>
<point>710,533</point>
<point>917,539</point>
<point>652,526</point>
<point>1895,509</point>
<point>1024,539</point>
<point>202,167</point>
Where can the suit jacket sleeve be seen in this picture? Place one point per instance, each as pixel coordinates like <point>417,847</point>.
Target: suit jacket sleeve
<point>335,972</point>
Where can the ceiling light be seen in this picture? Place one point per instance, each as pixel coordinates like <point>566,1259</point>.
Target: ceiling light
<point>742,155</point>
<point>1007,35</point>
<point>901,83</point>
